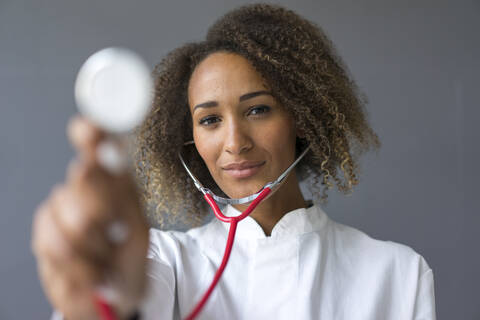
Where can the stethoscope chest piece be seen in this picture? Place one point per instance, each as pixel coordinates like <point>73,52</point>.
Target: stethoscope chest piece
<point>114,89</point>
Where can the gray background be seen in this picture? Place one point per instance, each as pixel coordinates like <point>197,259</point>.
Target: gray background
<point>418,62</point>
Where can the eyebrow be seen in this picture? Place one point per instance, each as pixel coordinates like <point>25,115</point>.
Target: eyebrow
<point>246,96</point>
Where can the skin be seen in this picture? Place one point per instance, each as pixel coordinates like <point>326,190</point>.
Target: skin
<point>69,233</point>
<point>228,129</point>
<point>69,227</point>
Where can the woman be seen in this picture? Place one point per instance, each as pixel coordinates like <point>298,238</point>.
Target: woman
<point>263,86</point>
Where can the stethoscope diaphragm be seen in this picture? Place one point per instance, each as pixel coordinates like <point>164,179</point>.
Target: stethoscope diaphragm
<point>114,89</point>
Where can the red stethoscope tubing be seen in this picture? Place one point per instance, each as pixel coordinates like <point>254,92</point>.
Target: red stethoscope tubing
<point>103,309</point>
<point>106,312</point>
<point>231,236</point>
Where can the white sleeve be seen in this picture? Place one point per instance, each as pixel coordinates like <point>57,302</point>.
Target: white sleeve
<point>160,297</point>
<point>425,299</point>
<point>56,315</point>
<point>159,300</point>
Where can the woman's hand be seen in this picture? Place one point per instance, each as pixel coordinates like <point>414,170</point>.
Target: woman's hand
<point>70,239</point>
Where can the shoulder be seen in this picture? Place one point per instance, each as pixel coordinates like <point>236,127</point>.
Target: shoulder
<point>370,253</point>
<point>385,274</point>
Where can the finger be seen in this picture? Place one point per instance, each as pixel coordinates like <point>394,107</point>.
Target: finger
<point>118,192</point>
<point>84,136</point>
<point>101,195</point>
<point>50,243</point>
<point>57,261</point>
<point>75,172</point>
<point>69,292</point>
<point>55,251</point>
<point>47,242</point>
<point>83,225</point>
<point>90,177</point>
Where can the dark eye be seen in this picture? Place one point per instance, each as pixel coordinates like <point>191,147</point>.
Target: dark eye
<point>259,110</point>
<point>209,120</point>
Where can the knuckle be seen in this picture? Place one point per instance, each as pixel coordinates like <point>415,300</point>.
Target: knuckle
<point>49,248</point>
<point>81,227</point>
<point>90,178</point>
<point>74,221</point>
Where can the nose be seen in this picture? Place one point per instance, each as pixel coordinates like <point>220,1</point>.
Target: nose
<point>236,138</point>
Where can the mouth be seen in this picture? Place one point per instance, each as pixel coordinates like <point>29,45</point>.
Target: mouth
<point>246,169</point>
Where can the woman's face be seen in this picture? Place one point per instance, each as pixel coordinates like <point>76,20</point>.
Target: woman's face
<point>245,137</point>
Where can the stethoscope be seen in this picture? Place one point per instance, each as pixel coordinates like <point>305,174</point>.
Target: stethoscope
<point>212,200</point>
<point>114,90</point>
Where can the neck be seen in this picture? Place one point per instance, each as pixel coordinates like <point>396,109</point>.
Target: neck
<point>285,199</point>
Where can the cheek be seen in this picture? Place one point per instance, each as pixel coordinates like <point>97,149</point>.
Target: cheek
<point>281,137</point>
<point>207,148</point>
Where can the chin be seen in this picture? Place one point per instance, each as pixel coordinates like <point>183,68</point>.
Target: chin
<point>244,190</point>
<point>239,188</point>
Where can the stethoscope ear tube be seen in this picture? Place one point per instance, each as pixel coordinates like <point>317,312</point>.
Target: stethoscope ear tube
<point>211,198</point>
<point>103,307</point>
<point>271,185</point>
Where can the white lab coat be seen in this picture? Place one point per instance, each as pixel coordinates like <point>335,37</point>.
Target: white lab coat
<point>311,267</point>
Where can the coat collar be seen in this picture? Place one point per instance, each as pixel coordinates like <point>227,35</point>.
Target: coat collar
<point>293,223</point>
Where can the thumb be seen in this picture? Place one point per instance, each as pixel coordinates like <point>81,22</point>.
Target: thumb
<point>84,136</point>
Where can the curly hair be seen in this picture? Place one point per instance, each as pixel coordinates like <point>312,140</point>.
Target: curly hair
<point>304,73</point>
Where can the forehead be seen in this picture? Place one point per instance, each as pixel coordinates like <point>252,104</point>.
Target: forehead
<point>223,75</point>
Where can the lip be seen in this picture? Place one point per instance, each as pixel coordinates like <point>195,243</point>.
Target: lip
<point>243,169</point>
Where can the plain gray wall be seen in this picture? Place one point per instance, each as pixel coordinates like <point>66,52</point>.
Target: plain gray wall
<point>417,61</point>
